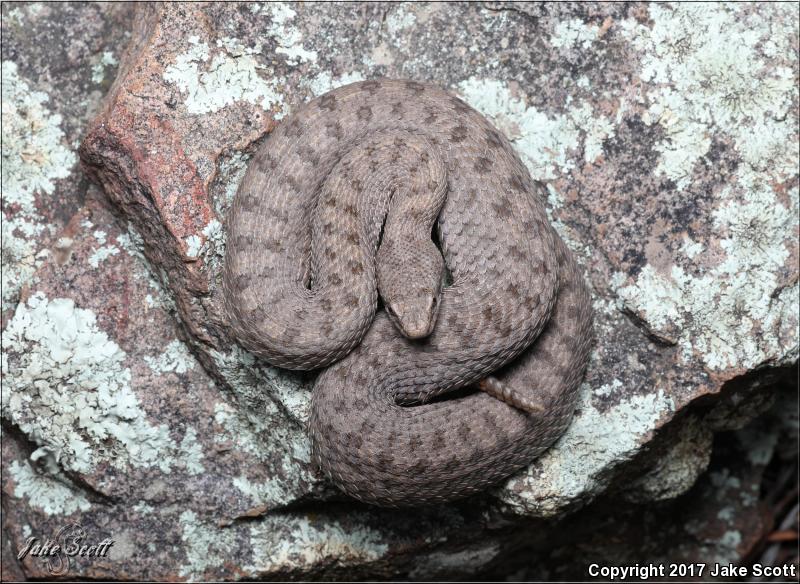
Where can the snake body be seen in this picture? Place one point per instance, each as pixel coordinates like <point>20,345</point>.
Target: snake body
<point>336,206</point>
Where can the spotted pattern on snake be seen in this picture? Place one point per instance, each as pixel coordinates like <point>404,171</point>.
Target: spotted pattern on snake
<point>338,205</point>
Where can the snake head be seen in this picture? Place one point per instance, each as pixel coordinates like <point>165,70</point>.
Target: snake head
<point>415,317</point>
<point>410,285</point>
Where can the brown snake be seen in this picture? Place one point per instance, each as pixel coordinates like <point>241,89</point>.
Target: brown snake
<point>338,205</point>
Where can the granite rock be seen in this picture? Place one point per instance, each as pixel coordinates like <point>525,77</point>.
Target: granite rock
<point>668,150</point>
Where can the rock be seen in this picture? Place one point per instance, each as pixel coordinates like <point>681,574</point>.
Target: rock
<point>46,107</point>
<point>719,520</point>
<point>672,175</point>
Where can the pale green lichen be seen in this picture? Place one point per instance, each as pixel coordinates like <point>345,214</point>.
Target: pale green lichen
<point>214,82</point>
<point>269,423</point>
<point>297,543</point>
<point>244,372</point>
<point>191,453</point>
<point>66,387</point>
<point>286,35</point>
<point>20,260</point>
<point>574,32</point>
<point>755,228</point>
<point>34,158</point>
<point>232,168</point>
<point>34,155</point>
<point>52,494</point>
<point>133,244</point>
<point>546,142</point>
<point>235,431</point>
<point>691,248</point>
<point>722,69</point>
<point>282,543</point>
<point>193,244</point>
<point>729,314</point>
<point>174,358</point>
<point>143,508</point>
<point>708,72</point>
<point>106,60</point>
<point>273,491</point>
<point>399,20</point>
<point>674,472</point>
<point>608,389</point>
<point>577,465</point>
<point>324,82</point>
<point>14,16</point>
<point>101,254</point>
<point>210,245</point>
<point>206,545</point>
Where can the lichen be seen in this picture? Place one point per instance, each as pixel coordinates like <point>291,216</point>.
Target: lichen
<point>724,70</point>
<point>278,543</point>
<point>713,67</point>
<point>209,245</point>
<point>466,561</point>
<point>193,243</point>
<point>286,35</point>
<point>206,545</point>
<point>175,358</point>
<point>545,141</point>
<point>296,542</point>
<point>66,387</point>
<point>106,60</point>
<point>577,465</point>
<point>399,20</point>
<point>273,491</point>
<point>52,494</point>
<point>191,453</point>
<point>269,423</point>
<point>250,378</point>
<point>673,473</point>
<point>103,252</point>
<point>573,32</point>
<point>236,431</point>
<point>214,82</point>
<point>34,157</point>
<point>133,244</point>
<point>728,314</point>
<point>20,260</point>
<point>324,82</point>
<point>34,154</point>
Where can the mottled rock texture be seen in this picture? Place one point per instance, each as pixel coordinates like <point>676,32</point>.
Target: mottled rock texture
<point>667,135</point>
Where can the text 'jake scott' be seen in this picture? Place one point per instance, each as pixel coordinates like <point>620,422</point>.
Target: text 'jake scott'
<point>698,570</point>
<point>71,541</point>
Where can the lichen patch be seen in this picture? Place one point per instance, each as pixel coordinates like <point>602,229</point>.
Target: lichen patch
<point>67,388</point>
<point>578,463</point>
<point>707,71</point>
<point>729,314</point>
<point>174,358</point>
<point>546,142</point>
<point>35,156</point>
<point>45,492</point>
<point>214,79</point>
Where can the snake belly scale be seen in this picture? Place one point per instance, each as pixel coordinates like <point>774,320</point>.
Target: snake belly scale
<point>338,192</point>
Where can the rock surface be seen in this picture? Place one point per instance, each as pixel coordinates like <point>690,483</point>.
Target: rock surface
<point>666,134</point>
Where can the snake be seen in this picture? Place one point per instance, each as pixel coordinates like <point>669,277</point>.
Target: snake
<point>387,233</point>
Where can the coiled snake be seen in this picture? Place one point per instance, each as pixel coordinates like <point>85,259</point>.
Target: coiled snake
<point>338,205</point>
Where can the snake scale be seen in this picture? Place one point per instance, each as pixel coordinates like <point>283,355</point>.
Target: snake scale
<point>396,192</point>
